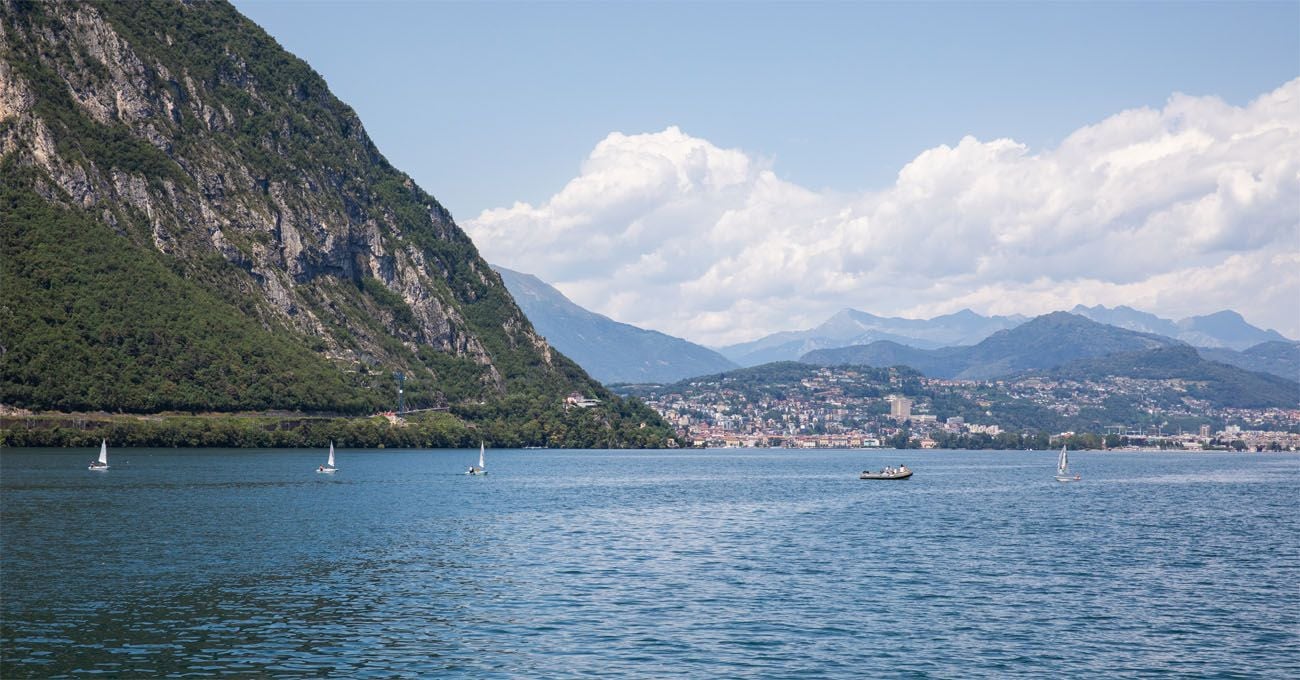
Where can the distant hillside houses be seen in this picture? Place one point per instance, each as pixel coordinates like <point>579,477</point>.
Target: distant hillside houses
<point>803,406</point>
<point>706,438</point>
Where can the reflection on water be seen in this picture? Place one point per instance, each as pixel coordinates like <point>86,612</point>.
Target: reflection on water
<point>648,564</point>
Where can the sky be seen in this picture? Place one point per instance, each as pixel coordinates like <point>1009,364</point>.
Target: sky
<point>720,171</point>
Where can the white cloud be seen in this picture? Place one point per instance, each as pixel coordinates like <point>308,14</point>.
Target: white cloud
<point>1188,209</point>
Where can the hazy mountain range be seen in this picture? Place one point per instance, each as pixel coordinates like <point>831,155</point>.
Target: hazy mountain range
<point>1044,342</point>
<point>1220,329</point>
<point>962,344</point>
<point>853,327</point>
<point>1278,358</point>
<point>1225,329</point>
<point>1063,345</point>
<point>610,351</point>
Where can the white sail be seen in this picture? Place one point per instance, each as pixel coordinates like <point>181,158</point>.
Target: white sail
<point>1063,468</point>
<point>481,464</point>
<point>101,463</point>
<point>330,463</point>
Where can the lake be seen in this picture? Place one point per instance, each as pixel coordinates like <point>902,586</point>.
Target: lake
<point>705,564</point>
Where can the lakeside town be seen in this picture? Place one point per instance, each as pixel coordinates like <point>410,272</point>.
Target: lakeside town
<point>841,407</point>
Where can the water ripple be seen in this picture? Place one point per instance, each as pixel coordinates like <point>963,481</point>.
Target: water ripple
<point>615,564</point>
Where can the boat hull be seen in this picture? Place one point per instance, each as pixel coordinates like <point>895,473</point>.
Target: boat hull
<point>877,475</point>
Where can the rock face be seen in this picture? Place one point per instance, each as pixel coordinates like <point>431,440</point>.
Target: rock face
<point>186,130</point>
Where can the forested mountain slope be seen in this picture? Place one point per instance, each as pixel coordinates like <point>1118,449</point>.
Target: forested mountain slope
<point>192,221</point>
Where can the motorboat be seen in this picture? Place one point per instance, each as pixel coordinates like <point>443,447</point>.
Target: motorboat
<point>901,472</point>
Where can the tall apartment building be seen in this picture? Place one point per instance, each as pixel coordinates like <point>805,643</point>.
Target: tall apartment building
<point>900,408</point>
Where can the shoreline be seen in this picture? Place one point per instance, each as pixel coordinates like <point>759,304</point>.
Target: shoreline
<point>294,430</point>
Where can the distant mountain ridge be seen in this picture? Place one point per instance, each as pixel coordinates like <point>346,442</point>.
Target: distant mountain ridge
<point>610,351</point>
<point>850,327</point>
<point>853,327</point>
<point>1221,329</point>
<point>1279,358</point>
<point>1044,342</point>
<point>1222,385</point>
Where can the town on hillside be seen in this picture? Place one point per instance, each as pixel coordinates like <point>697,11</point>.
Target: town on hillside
<point>800,406</point>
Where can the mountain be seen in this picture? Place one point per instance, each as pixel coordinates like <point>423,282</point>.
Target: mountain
<point>610,351</point>
<point>852,327</point>
<point>1127,317</point>
<point>1044,342</point>
<point>940,362</point>
<point>192,221</point>
<point>1279,358</point>
<point>1221,329</point>
<point>1224,329</point>
<point>1219,384</point>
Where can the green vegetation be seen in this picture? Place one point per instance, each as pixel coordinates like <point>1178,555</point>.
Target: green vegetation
<point>92,323</point>
<point>576,428</point>
<point>770,380</point>
<point>388,300</point>
<point>239,431</point>
<point>103,323</point>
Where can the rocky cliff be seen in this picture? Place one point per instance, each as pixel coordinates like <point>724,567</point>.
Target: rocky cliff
<point>179,142</point>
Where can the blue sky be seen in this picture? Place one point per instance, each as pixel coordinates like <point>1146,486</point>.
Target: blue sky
<point>486,103</point>
<point>489,104</point>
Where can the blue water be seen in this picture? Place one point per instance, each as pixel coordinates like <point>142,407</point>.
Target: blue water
<point>648,564</point>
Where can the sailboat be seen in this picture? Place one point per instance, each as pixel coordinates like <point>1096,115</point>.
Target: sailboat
<point>1063,468</point>
<point>102,462</point>
<point>481,468</point>
<point>328,467</point>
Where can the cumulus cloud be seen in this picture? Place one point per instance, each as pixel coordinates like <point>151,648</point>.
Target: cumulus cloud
<point>1186,209</point>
